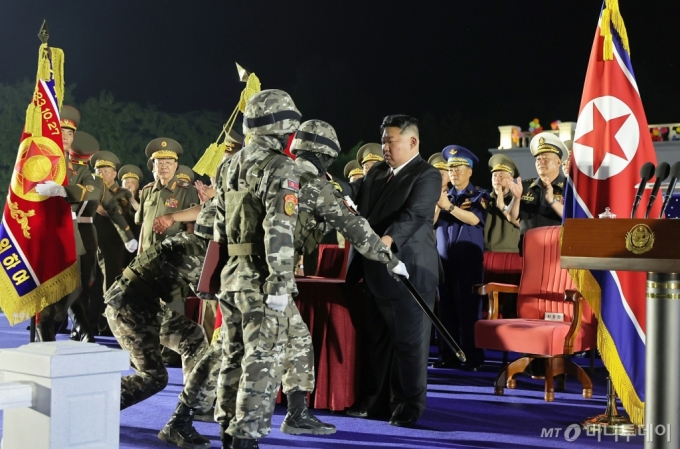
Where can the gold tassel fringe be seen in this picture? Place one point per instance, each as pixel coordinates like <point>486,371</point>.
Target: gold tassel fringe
<point>50,66</point>
<point>58,73</point>
<point>208,163</point>
<point>18,309</point>
<point>611,16</point>
<point>590,289</point>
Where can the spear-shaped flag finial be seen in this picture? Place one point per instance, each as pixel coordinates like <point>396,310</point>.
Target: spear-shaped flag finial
<point>44,33</point>
<point>242,73</point>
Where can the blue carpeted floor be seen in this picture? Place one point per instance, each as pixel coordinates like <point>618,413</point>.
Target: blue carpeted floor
<point>462,412</point>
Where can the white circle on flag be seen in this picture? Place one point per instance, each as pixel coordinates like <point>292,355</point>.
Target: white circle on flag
<point>628,137</point>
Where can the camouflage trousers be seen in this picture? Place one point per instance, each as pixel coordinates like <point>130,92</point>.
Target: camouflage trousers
<point>141,323</point>
<point>252,357</point>
<point>141,330</point>
<point>200,388</point>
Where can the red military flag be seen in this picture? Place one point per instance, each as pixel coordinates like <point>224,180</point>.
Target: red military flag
<point>37,247</point>
<point>611,143</point>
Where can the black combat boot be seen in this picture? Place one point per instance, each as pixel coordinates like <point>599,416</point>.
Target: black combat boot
<point>45,329</point>
<point>80,331</point>
<point>300,420</point>
<point>242,443</point>
<point>180,430</point>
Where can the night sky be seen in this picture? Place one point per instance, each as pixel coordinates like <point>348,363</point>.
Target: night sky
<point>485,63</point>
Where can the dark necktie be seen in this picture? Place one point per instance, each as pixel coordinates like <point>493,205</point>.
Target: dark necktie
<point>389,177</point>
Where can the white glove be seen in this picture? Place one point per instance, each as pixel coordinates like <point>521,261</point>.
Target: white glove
<point>400,269</point>
<point>350,203</point>
<point>50,188</point>
<point>131,245</point>
<point>277,302</point>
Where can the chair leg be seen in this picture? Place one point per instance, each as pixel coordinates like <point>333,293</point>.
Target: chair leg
<point>549,395</point>
<point>507,374</point>
<point>576,371</point>
<point>505,358</point>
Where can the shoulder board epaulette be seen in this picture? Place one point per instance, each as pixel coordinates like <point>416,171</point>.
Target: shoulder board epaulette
<point>529,181</point>
<point>183,185</point>
<point>148,185</point>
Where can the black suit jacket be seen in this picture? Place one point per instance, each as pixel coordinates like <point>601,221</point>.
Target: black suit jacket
<point>404,210</point>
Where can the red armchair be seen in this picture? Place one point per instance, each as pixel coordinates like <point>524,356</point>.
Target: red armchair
<point>544,288</point>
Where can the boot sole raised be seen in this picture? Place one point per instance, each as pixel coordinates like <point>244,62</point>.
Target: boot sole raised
<point>285,428</point>
<point>164,437</point>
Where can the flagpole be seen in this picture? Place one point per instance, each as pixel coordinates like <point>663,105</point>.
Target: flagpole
<point>610,422</point>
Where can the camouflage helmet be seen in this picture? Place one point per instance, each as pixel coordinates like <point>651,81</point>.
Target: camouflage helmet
<point>271,112</point>
<point>316,136</point>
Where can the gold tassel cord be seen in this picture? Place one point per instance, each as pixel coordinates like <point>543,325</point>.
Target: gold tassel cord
<point>611,17</point>
<point>208,163</point>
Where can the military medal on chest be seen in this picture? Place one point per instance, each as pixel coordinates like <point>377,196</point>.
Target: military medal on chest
<point>171,202</point>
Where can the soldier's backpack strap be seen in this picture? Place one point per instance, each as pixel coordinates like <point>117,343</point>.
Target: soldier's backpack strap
<point>259,169</point>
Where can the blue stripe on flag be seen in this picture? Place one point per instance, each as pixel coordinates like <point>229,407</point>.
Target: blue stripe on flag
<point>629,347</point>
<point>14,265</point>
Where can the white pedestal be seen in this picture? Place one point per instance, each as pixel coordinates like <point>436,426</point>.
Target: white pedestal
<point>76,396</point>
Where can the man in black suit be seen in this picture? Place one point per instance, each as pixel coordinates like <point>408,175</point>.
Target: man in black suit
<point>397,198</point>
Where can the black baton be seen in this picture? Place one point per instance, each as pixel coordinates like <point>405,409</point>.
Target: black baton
<point>437,324</point>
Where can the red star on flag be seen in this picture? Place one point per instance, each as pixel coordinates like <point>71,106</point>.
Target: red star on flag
<point>602,138</point>
<point>33,167</point>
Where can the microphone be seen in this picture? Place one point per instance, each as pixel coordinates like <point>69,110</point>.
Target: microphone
<point>646,173</point>
<point>662,172</point>
<point>675,174</point>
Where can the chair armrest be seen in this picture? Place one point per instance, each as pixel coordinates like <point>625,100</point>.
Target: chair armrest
<point>485,289</point>
<point>491,290</point>
<point>575,297</point>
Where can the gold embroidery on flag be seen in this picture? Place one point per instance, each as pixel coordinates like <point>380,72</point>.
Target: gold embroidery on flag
<point>21,217</point>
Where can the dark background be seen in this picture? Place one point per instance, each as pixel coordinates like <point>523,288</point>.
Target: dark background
<point>463,68</point>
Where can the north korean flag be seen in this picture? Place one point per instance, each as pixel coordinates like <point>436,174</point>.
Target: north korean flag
<point>611,143</point>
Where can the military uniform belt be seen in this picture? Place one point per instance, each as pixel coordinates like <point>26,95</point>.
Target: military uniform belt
<point>85,220</point>
<point>205,230</point>
<point>245,249</point>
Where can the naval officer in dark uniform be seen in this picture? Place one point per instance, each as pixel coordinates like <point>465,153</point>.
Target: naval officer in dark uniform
<point>460,243</point>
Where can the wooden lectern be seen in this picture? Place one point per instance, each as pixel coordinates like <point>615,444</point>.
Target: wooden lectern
<point>651,246</point>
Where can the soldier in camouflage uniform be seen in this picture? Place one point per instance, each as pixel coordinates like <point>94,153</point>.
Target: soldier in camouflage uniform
<point>322,209</point>
<point>139,321</point>
<point>257,196</point>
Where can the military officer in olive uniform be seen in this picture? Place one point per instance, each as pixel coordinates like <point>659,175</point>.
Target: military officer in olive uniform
<point>500,234</point>
<point>368,155</point>
<point>131,178</point>
<point>353,171</point>
<point>186,174</point>
<point>460,243</point>
<point>168,194</point>
<point>81,187</point>
<point>84,146</point>
<point>540,201</point>
<point>113,247</point>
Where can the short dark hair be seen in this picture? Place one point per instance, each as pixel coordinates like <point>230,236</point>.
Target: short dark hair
<point>401,121</point>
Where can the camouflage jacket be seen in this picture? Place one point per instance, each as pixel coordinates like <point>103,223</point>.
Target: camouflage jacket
<point>206,219</point>
<point>322,200</point>
<point>269,223</point>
